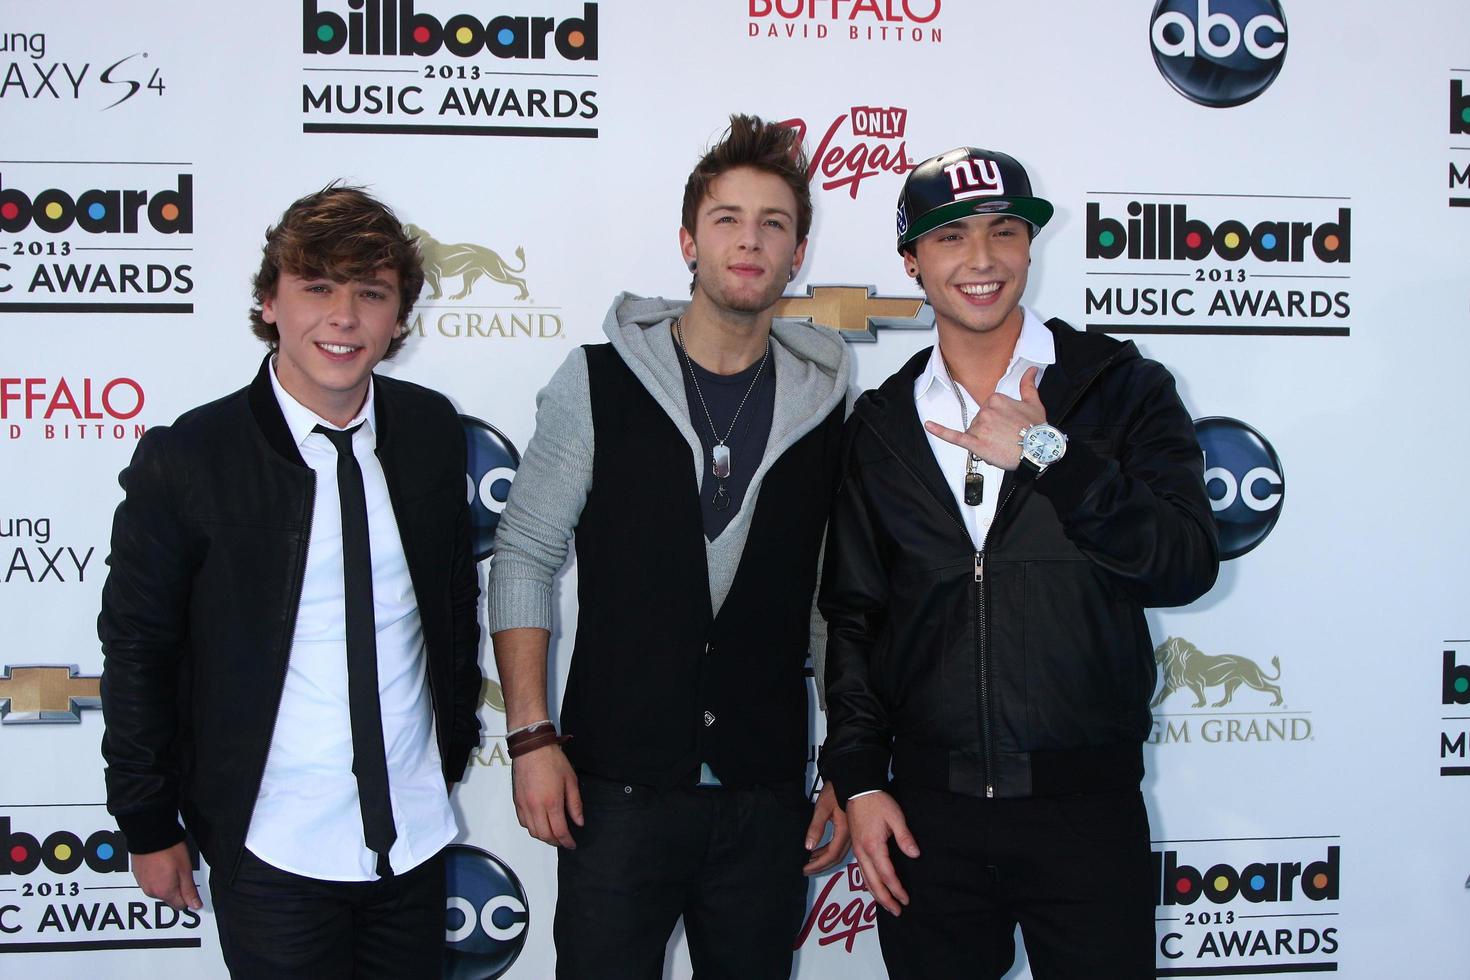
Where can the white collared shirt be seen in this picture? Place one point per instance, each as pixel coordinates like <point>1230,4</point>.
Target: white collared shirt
<point>307,818</point>
<point>934,396</point>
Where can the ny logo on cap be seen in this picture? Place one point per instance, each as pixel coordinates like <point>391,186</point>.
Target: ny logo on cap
<point>974,177</point>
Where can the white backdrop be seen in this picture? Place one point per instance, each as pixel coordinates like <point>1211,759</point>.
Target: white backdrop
<point>1337,749</point>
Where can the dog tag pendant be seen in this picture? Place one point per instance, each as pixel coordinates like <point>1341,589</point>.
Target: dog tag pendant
<point>721,456</point>
<point>974,488</point>
<point>722,497</point>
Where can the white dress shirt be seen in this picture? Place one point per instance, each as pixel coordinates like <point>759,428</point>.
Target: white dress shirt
<point>934,397</point>
<point>307,819</point>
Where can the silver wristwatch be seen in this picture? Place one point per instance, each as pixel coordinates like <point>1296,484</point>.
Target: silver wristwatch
<point>1041,446</point>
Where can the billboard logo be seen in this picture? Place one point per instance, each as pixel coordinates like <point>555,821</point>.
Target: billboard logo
<point>1456,680</point>
<point>1219,53</point>
<point>62,852</point>
<point>1216,900</point>
<point>98,211</point>
<point>1454,736</point>
<point>1244,482</point>
<point>492,461</point>
<point>394,27</point>
<point>1257,882</point>
<point>485,915</point>
<point>67,893</point>
<point>1459,126</point>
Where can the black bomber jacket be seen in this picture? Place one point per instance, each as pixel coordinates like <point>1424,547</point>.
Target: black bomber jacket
<point>199,608</point>
<point>1026,668</point>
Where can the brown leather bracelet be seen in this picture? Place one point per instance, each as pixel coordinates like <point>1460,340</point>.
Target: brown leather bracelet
<point>534,738</point>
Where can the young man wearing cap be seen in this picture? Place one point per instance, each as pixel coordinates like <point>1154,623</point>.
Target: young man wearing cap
<point>694,456</point>
<point>1011,501</point>
<point>290,649</point>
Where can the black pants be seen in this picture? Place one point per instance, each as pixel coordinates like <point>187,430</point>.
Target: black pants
<point>1073,871</point>
<point>728,860</point>
<point>274,924</point>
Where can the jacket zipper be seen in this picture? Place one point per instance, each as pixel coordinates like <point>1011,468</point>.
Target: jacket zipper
<point>982,667</point>
<point>287,634</point>
<point>982,655</point>
<point>982,610</point>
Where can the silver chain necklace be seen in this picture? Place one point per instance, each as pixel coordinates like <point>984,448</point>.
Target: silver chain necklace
<point>974,479</point>
<point>720,458</point>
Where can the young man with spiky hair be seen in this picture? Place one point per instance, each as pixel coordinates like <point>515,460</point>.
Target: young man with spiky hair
<point>289,624</point>
<point>1012,498</point>
<point>694,455</point>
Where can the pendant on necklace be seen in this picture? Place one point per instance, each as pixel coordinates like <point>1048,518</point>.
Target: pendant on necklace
<point>721,456</point>
<point>974,488</point>
<point>722,496</point>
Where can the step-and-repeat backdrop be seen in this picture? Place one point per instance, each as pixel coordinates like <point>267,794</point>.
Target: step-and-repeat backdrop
<point>1270,196</point>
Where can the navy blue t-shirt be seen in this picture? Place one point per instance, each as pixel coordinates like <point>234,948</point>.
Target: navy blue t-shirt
<point>747,443</point>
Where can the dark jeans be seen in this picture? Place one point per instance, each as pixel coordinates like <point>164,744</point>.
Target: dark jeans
<point>274,924</point>
<point>728,860</point>
<point>1074,871</point>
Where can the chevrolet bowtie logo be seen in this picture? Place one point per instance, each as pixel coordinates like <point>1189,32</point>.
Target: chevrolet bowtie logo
<point>35,693</point>
<point>856,311</point>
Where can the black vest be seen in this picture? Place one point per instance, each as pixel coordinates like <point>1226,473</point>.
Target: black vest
<point>657,683</point>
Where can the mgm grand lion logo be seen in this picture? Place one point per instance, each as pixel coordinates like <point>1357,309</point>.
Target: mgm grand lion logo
<point>467,262</point>
<point>1184,665</point>
<point>491,696</point>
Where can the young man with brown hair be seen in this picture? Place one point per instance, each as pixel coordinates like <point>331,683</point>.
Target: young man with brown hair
<point>288,627</point>
<point>694,455</point>
<point>1011,500</point>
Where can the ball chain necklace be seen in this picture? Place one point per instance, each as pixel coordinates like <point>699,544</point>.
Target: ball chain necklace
<point>974,478</point>
<point>720,457</point>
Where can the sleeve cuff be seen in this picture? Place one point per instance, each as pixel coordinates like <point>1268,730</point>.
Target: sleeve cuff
<point>859,771</point>
<point>457,760</point>
<point>150,830</point>
<point>517,604</point>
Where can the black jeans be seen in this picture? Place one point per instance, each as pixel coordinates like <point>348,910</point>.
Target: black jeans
<point>274,924</point>
<point>728,860</point>
<point>1074,871</point>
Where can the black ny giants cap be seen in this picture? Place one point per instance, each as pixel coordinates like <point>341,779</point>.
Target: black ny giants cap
<point>963,182</point>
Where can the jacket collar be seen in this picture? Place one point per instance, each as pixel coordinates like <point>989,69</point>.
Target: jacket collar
<point>1081,357</point>
<point>268,417</point>
<point>890,409</point>
<point>267,412</point>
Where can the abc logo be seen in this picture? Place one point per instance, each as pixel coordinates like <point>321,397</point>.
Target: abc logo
<point>491,463</point>
<point>1219,53</point>
<point>1244,483</point>
<point>485,915</point>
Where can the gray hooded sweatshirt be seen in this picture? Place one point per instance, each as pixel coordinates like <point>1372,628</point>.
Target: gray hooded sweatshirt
<point>550,488</point>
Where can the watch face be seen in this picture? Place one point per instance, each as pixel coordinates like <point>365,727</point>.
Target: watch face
<point>1044,445</point>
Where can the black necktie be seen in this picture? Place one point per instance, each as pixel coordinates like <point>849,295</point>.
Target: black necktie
<point>369,758</point>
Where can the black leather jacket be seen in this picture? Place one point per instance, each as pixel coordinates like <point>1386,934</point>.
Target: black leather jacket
<point>199,607</point>
<point>1026,668</point>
